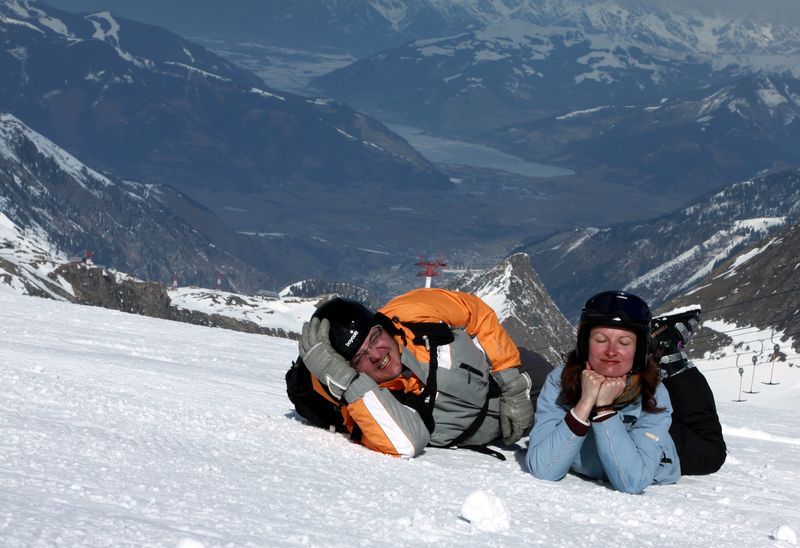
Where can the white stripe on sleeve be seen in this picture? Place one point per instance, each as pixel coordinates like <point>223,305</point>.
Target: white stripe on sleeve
<point>386,422</point>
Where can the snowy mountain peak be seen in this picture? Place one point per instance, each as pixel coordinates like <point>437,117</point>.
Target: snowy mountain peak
<point>13,131</point>
<point>28,13</point>
<point>761,97</point>
<point>514,291</point>
<point>663,259</point>
<point>102,29</point>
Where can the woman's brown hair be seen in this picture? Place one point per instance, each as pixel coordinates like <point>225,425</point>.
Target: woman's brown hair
<point>571,383</point>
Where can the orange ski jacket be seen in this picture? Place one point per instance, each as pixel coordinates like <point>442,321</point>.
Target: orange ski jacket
<point>480,347</point>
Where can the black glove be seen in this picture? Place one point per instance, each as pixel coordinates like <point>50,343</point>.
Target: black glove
<point>322,360</point>
<point>516,409</point>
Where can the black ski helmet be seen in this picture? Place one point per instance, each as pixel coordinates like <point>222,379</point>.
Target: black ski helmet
<point>621,310</point>
<point>350,323</point>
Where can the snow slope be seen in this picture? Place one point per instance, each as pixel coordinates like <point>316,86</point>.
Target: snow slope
<point>28,261</point>
<point>286,313</point>
<point>122,430</point>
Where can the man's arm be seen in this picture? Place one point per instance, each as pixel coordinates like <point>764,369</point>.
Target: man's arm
<point>386,425</point>
<point>458,309</point>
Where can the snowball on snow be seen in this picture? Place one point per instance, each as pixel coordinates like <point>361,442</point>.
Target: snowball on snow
<point>785,533</point>
<point>189,543</point>
<point>485,511</point>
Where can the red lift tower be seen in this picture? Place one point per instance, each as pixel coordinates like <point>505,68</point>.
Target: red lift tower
<point>88,258</point>
<point>430,269</point>
<point>220,275</point>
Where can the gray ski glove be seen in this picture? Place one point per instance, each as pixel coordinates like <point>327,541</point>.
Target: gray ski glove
<point>516,409</point>
<point>322,360</point>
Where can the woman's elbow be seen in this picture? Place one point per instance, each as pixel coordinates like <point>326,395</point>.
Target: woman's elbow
<point>631,490</point>
<point>631,486</point>
<point>544,472</point>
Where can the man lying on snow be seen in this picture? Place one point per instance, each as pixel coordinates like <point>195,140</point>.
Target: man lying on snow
<point>430,367</point>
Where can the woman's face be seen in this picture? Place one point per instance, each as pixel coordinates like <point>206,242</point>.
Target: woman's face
<point>611,351</point>
<point>378,357</point>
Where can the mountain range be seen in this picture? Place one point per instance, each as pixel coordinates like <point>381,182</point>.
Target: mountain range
<point>647,96</point>
<point>128,224</point>
<point>148,230</point>
<point>680,145</point>
<point>518,52</point>
<point>668,256</point>
<point>142,104</point>
<point>755,289</point>
<point>657,86</point>
<point>370,26</point>
<point>31,264</point>
<point>155,232</point>
<point>662,98</point>
<point>152,106</point>
<point>164,121</point>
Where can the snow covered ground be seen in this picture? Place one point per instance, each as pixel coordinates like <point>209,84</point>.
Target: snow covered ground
<point>122,430</point>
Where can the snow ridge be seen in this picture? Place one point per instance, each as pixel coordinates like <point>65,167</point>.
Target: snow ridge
<point>667,32</point>
<point>10,130</point>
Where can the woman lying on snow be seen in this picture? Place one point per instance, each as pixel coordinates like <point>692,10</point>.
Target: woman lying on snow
<point>606,414</point>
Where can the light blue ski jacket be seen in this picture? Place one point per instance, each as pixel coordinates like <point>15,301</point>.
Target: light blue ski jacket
<point>630,450</point>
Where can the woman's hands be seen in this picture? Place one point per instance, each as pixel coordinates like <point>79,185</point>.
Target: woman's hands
<point>596,390</point>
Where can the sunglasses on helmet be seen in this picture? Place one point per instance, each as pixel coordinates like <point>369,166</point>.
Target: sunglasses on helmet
<point>610,303</point>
